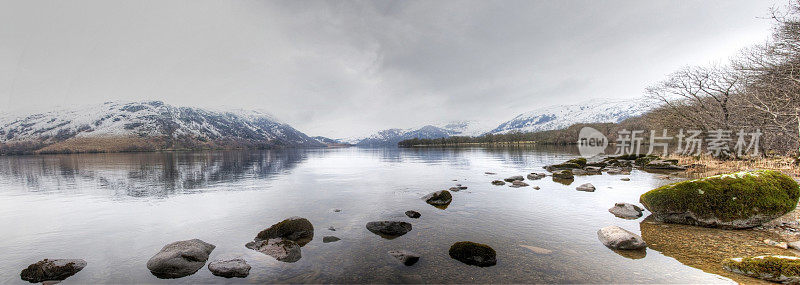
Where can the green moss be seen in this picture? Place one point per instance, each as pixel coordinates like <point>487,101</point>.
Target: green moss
<point>727,197</point>
<point>579,161</point>
<point>762,266</point>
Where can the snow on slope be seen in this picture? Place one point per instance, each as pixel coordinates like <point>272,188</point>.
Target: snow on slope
<point>563,116</point>
<point>149,119</point>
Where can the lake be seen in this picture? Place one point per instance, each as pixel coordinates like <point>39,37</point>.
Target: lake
<point>117,210</point>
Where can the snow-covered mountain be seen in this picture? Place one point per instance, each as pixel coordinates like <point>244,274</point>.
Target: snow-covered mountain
<point>563,116</point>
<point>137,125</point>
<point>390,137</point>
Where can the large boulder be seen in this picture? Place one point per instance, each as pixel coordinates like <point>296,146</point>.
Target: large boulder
<point>626,211</point>
<point>615,237</point>
<point>229,268</point>
<point>389,229</point>
<point>739,200</point>
<point>180,258</point>
<point>473,253</point>
<point>775,268</point>
<point>296,229</point>
<point>439,198</point>
<point>52,270</point>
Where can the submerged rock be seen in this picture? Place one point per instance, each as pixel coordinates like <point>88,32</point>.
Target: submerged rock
<point>782,244</point>
<point>279,248</point>
<point>615,237</point>
<point>296,229</point>
<point>229,268</point>
<point>498,182</point>
<point>180,258</point>
<point>473,253</point>
<point>536,187</point>
<point>739,200</point>
<point>536,176</point>
<point>625,179</point>
<point>514,178</point>
<point>406,257</point>
<point>389,229</point>
<point>52,270</point>
<point>489,173</point>
<point>588,187</point>
<point>413,214</point>
<point>563,174</point>
<point>327,239</point>
<point>775,268</point>
<point>626,211</point>
<point>537,250</point>
<point>439,198</point>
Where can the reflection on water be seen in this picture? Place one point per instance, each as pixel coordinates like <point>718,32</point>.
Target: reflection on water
<point>145,174</point>
<point>117,210</point>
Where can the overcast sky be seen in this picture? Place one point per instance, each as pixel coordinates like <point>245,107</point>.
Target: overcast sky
<point>346,68</point>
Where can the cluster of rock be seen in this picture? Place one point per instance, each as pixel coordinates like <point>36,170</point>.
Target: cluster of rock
<point>518,181</point>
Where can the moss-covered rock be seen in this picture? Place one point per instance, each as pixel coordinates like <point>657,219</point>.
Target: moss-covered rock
<point>563,174</point>
<point>739,200</point>
<point>775,268</point>
<point>576,163</point>
<point>473,253</point>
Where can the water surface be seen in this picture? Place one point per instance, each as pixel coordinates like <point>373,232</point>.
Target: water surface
<point>117,210</point>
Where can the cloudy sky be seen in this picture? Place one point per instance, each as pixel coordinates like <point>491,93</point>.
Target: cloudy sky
<point>346,68</point>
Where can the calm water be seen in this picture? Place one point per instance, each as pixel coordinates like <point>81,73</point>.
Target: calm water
<point>117,210</point>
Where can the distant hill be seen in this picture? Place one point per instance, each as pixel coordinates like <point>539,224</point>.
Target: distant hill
<point>390,137</point>
<point>140,126</point>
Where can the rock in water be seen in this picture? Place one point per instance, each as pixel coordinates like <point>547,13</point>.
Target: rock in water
<point>439,198</point>
<point>389,229</point>
<point>739,200</point>
<point>229,268</point>
<point>473,253</point>
<point>626,211</point>
<point>180,258</point>
<point>327,239</point>
<point>281,249</point>
<point>413,214</point>
<point>775,268</point>
<point>563,174</point>
<point>296,229</point>
<point>625,179</point>
<point>498,182</point>
<point>615,237</point>
<point>52,270</point>
<point>536,176</point>
<point>663,164</point>
<point>514,178</point>
<point>588,187</point>
<point>517,184</point>
<point>284,239</point>
<point>406,257</point>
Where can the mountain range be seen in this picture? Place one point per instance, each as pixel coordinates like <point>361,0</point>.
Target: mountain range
<point>139,126</point>
<point>154,125</point>
<point>541,119</point>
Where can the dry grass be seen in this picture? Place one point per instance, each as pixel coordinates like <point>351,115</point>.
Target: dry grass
<point>104,144</point>
<point>707,165</point>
